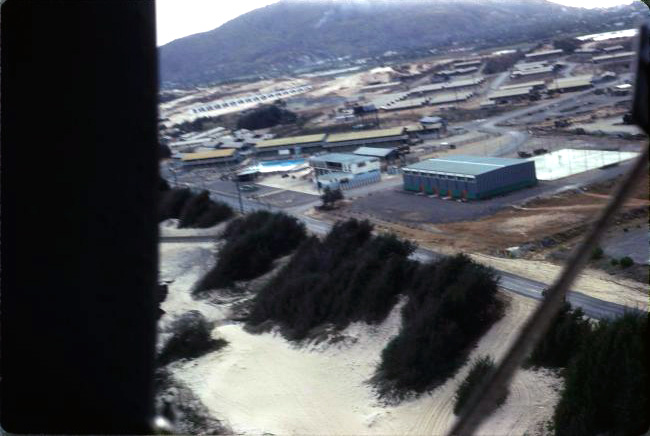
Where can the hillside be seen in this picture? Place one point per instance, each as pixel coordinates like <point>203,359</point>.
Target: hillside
<point>292,35</point>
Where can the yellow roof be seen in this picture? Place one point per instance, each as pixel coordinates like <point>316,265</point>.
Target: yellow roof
<point>368,134</point>
<point>224,152</point>
<point>291,140</point>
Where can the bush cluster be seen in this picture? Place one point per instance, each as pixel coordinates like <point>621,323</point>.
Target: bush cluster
<point>605,367</point>
<point>192,210</point>
<point>480,369</point>
<point>499,64</point>
<point>349,276</point>
<point>264,117</point>
<point>607,385</point>
<point>191,338</point>
<point>253,242</point>
<point>451,303</point>
<point>352,275</point>
<point>559,344</point>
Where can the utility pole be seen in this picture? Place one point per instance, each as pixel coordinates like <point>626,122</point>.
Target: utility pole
<point>241,204</point>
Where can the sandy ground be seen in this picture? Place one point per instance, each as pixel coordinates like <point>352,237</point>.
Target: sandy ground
<point>262,383</point>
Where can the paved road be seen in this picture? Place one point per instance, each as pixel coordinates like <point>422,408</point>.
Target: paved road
<point>591,306</point>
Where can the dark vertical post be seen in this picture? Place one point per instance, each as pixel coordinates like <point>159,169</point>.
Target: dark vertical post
<point>79,231</point>
<point>241,205</point>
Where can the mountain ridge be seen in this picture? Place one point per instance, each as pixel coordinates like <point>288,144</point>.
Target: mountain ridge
<point>289,35</point>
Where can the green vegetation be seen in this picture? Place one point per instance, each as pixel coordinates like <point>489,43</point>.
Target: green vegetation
<point>568,45</point>
<point>597,253</point>
<point>253,242</point>
<point>480,369</point>
<point>330,196</point>
<point>561,342</point>
<point>191,338</point>
<point>499,64</point>
<point>626,262</point>
<point>264,117</point>
<point>437,333</point>
<point>605,367</point>
<point>191,210</point>
<point>349,276</point>
<point>198,125</point>
<point>352,276</point>
<point>607,385</point>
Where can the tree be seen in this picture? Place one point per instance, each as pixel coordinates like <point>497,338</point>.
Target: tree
<point>331,196</point>
<point>481,367</point>
<point>265,116</point>
<point>568,45</point>
<point>626,262</point>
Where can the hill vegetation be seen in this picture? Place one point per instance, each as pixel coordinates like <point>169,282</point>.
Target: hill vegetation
<point>349,276</point>
<point>296,35</point>
<point>605,367</point>
<point>353,275</point>
<point>264,117</point>
<point>437,331</point>
<point>253,242</point>
<point>192,210</point>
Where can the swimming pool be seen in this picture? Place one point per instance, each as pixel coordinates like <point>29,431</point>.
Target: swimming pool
<point>271,166</point>
<point>281,163</point>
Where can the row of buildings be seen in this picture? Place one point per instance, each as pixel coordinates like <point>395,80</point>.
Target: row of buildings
<point>396,137</point>
<point>460,176</point>
<point>527,90</point>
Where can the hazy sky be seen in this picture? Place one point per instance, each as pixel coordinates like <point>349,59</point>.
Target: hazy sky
<point>178,18</point>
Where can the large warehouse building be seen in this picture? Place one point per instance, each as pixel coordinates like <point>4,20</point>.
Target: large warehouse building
<point>471,177</point>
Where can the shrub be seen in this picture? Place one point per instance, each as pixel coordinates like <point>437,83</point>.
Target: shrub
<point>253,242</point>
<point>562,341</point>
<point>191,338</point>
<point>349,276</point>
<point>172,203</point>
<point>437,334</point>
<point>192,210</point>
<point>264,117</point>
<point>597,253</point>
<point>478,373</point>
<point>626,262</point>
<point>330,196</point>
<point>614,262</point>
<point>200,211</point>
<point>607,385</point>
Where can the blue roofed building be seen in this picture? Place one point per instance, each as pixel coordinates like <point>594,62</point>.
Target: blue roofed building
<point>470,177</point>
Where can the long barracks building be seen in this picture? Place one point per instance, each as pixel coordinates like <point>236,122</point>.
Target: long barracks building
<point>470,177</point>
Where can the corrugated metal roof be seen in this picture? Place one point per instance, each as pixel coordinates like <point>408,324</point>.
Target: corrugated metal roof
<point>224,152</point>
<point>368,134</point>
<point>291,140</point>
<point>544,53</point>
<point>529,65</point>
<point>620,55</point>
<point>404,104</point>
<point>571,82</point>
<point>450,97</point>
<point>503,93</point>
<point>339,158</point>
<point>530,72</point>
<point>463,165</point>
<point>523,85</point>
<point>374,151</point>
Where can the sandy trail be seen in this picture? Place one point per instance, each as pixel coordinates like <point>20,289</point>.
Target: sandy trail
<point>263,383</point>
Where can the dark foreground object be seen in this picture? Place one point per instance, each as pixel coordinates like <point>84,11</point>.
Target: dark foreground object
<point>79,240</point>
